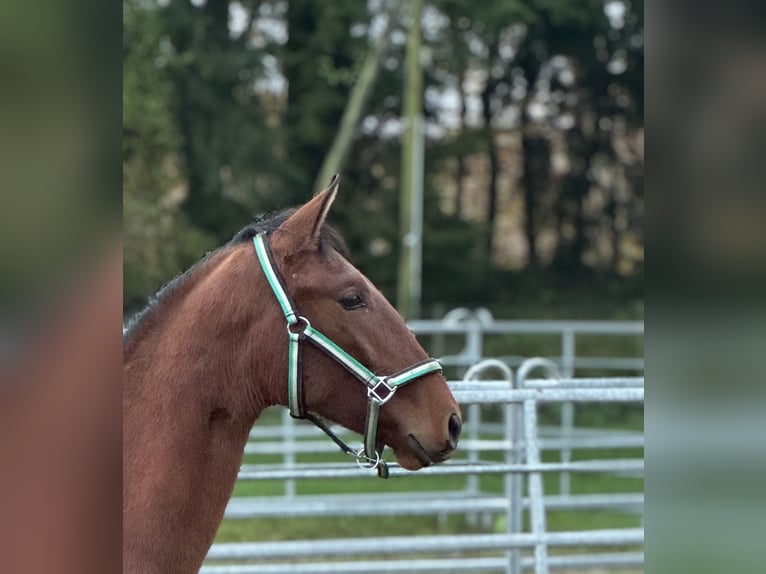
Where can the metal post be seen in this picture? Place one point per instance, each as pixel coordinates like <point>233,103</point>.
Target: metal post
<point>513,481</point>
<point>470,355</point>
<point>473,352</point>
<point>457,317</point>
<point>472,482</point>
<point>567,409</point>
<point>474,426</point>
<point>532,451</point>
<point>535,487</point>
<point>438,345</point>
<point>288,454</point>
<point>474,341</point>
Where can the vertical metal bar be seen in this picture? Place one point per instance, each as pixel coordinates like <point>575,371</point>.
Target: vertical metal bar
<point>473,486</point>
<point>535,488</point>
<point>532,452</point>
<point>567,409</point>
<point>473,349</point>
<point>567,424</point>
<point>513,482</point>
<point>437,348</point>
<point>472,482</point>
<point>567,352</point>
<point>510,567</point>
<point>288,453</point>
<point>474,341</point>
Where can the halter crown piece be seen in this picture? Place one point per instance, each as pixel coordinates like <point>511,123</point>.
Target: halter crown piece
<point>379,389</point>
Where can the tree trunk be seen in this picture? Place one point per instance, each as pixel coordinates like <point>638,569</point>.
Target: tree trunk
<point>536,158</point>
<point>574,190</point>
<point>461,167</point>
<point>202,149</point>
<point>494,162</point>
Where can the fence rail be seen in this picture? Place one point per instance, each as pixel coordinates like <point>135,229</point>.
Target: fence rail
<point>412,566</point>
<point>415,504</point>
<point>421,544</point>
<point>475,325</point>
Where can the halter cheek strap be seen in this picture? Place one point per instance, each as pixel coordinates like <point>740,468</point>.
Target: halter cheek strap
<point>379,389</point>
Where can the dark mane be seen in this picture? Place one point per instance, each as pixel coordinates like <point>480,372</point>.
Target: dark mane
<point>329,238</point>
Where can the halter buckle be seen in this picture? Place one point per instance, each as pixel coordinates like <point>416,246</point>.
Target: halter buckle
<point>374,395</point>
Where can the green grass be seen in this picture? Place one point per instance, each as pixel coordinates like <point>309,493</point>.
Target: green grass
<point>271,529</point>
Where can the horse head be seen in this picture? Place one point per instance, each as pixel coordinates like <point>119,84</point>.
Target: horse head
<point>421,421</point>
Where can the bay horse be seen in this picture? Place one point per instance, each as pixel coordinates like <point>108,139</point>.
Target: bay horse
<point>277,316</point>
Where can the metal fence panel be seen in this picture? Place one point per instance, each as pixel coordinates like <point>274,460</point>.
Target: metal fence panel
<point>519,436</point>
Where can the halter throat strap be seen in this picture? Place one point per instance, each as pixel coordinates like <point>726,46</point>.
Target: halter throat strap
<point>379,389</point>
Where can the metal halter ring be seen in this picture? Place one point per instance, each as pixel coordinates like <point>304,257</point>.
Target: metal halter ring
<point>299,329</point>
<point>365,462</point>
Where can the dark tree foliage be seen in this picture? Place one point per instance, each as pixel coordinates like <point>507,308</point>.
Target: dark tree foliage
<point>534,110</point>
<point>229,151</point>
<point>320,61</point>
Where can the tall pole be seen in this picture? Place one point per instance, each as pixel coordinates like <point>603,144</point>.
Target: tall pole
<point>411,180</point>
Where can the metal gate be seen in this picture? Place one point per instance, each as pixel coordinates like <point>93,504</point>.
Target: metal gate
<point>518,548</point>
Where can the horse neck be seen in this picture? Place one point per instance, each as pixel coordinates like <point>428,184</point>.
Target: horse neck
<point>189,401</point>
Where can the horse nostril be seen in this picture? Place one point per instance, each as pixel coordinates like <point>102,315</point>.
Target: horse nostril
<point>454,430</point>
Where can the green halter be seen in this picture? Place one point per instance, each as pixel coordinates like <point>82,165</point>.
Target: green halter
<point>379,389</point>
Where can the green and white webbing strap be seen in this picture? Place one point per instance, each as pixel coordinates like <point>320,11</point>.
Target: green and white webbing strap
<point>371,431</point>
<point>295,401</point>
<point>269,270</point>
<point>350,363</point>
<point>291,315</point>
<point>414,372</point>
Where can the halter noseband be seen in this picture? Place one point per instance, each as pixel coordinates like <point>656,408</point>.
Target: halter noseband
<point>379,389</point>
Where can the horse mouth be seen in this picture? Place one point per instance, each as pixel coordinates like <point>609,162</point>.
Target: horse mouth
<point>420,453</point>
<point>425,457</point>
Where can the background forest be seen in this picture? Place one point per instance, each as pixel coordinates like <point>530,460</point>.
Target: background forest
<point>533,157</point>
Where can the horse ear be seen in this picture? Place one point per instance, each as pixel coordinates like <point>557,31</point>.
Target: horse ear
<point>303,228</point>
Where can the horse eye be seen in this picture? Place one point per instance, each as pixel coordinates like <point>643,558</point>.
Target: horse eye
<point>352,302</point>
